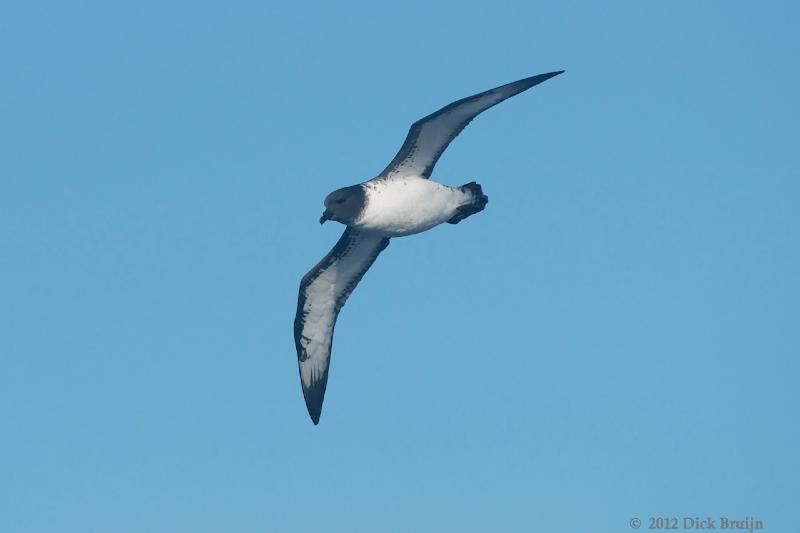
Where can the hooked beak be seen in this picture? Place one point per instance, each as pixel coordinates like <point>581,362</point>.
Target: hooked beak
<point>325,216</point>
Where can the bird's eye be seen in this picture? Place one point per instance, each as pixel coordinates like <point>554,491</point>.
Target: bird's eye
<point>340,201</point>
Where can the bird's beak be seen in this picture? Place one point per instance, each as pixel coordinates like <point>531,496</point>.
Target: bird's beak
<point>325,216</point>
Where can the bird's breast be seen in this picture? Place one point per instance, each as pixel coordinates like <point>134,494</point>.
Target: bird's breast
<point>404,206</point>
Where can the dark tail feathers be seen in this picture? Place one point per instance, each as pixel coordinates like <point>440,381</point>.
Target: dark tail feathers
<point>477,204</point>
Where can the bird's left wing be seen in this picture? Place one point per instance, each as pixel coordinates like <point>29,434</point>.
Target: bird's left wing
<point>323,292</point>
<point>429,136</point>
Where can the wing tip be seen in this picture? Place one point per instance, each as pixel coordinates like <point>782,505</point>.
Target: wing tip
<point>531,81</point>
<point>314,410</point>
<point>539,78</point>
<point>314,396</point>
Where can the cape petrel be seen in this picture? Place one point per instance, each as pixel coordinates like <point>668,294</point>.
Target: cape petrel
<point>400,201</point>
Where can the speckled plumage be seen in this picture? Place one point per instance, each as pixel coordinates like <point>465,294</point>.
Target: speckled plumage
<point>400,201</point>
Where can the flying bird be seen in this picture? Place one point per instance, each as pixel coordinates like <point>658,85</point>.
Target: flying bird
<point>400,201</point>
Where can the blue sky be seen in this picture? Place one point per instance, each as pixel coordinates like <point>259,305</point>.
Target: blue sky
<point>615,336</point>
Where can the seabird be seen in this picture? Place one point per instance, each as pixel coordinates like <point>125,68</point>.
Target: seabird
<point>400,201</point>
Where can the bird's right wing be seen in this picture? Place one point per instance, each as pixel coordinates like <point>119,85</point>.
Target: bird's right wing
<point>323,292</point>
<point>429,136</point>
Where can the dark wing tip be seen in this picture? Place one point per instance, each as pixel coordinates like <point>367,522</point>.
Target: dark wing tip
<point>314,396</point>
<point>539,78</point>
<point>314,409</point>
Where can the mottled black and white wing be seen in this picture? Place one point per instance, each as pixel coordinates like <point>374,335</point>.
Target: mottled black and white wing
<point>323,292</point>
<point>429,136</point>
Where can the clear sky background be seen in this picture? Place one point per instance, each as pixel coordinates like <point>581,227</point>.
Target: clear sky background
<point>615,336</point>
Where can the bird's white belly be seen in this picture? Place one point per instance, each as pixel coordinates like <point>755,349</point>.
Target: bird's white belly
<point>404,206</point>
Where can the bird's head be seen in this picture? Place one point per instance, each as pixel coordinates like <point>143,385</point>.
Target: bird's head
<point>344,205</point>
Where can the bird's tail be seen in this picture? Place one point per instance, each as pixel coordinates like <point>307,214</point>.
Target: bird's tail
<point>477,202</point>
